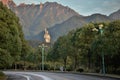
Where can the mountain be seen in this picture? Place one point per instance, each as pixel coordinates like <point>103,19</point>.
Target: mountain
<point>34,18</point>
<point>11,4</point>
<point>57,18</point>
<point>5,2</point>
<point>115,15</point>
<point>63,28</point>
<point>97,18</point>
<point>71,24</point>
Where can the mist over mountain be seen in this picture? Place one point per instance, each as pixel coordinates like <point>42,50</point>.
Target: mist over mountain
<point>57,18</point>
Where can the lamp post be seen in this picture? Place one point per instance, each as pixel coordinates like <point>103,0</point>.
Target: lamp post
<point>101,34</point>
<point>43,49</point>
<point>47,41</point>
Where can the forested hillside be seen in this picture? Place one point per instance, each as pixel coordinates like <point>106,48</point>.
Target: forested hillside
<point>85,48</point>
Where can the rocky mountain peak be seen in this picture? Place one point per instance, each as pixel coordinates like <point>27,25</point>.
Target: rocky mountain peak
<point>11,4</point>
<point>115,15</point>
<point>22,5</point>
<point>8,3</point>
<point>41,6</point>
<point>34,18</point>
<point>5,2</point>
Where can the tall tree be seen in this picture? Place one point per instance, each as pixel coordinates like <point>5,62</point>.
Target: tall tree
<point>11,35</point>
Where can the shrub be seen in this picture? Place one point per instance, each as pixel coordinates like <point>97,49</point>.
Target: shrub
<point>57,69</point>
<point>69,69</point>
<point>97,70</point>
<point>51,68</point>
<point>80,70</point>
<point>2,76</point>
<point>46,66</point>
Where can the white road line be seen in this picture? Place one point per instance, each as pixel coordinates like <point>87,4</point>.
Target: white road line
<point>27,77</point>
<point>24,74</point>
<point>18,74</point>
<point>41,76</point>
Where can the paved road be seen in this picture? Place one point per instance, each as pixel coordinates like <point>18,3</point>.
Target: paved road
<point>51,76</point>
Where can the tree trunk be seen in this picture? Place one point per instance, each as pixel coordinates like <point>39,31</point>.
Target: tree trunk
<point>65,63</point>
<point>89,59</point>
<point>75,63</point>
<point>15,66</point>
<point>54,66</point>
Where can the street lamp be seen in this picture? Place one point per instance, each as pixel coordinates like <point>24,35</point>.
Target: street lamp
<point>101,33</point>
<point>43,50</point>
<point>47,41</point>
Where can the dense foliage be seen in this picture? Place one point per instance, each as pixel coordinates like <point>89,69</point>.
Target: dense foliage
<point>83,48</point>
<point>12,42</point>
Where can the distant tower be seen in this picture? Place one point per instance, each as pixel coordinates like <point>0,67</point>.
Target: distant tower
<point>47,36</point>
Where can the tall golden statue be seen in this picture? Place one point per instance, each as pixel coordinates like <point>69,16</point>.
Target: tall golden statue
<point>47,36</point>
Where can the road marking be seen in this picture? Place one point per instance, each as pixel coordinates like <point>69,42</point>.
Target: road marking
<point>18,74</point>
<point>27,77</point>
<point>41,76</point>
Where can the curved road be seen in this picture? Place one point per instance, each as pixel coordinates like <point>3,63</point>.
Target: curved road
<point>51,76</point>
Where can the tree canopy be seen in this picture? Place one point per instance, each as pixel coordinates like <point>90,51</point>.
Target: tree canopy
<point>84,47</point>
<point>12,40</point>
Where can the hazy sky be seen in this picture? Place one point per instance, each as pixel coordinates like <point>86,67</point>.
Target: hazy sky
<point>83,7</point>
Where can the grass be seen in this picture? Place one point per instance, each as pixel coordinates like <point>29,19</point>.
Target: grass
<point>2,76</point>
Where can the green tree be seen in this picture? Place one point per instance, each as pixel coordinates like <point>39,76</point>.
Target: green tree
<point>53,54</point>
<point>11,36</point>
<point>108,44</point>
<point>113,35</point>
<point>5,58</point>
<point>82,41</point>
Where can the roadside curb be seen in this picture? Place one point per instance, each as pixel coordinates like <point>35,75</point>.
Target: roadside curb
<point>94,74</point>
<point>100,75</point>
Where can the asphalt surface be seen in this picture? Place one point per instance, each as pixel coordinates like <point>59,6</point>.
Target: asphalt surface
<point>15,77</point>
<point>52,76</point>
